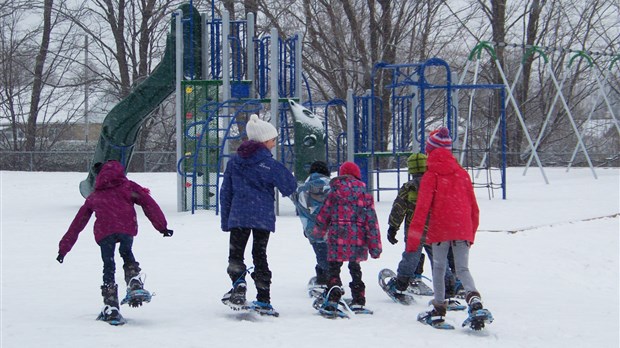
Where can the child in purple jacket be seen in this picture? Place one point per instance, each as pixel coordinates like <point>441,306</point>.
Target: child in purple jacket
<point>113,201</point>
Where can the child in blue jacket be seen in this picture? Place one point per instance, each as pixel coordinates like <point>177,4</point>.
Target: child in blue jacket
<point>247,198</point>
<point>309,200</point>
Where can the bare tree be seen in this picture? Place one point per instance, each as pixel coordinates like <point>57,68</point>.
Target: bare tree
<point>37,86</point>
<point>37,76</point>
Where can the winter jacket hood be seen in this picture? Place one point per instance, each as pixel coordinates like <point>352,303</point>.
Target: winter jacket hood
<point>309,199</point>
<point>112,174</point>
<point>249,148</point>
<point>446,197</point>
<point>443,163</point>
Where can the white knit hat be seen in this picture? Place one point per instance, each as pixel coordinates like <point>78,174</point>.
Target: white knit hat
<point>259,130</point>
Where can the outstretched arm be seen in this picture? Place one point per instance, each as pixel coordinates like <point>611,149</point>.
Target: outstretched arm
<point>151,209</point>
<point>79,222</point>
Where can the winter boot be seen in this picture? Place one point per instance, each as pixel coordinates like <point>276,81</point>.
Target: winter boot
<point>334,294</point>
<point>478,315</point>
<point>131,269</point>
<point>358,302</point>
<point>136,294</point>
<point>473,301</point>
<point>262,281</point>
<point>110,312</point>
<point>435,317</point>
<point>358,293</point>
<point>397,290</point>
<point>329,307</point>
<point>321,276</point>
<point>235,297</point>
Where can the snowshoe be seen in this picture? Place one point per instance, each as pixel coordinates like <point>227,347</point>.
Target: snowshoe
<point>418,287</point>
<point>318,302</point>
<point>387,282</point>
<point>136,294</point>
<point>330,310</point>
<point>435,321</point>
<point>315,290</point>
<point>135,298</point>
<point>112,316</point>
<point>263,308</point>
<point>454,305</point>
<point>360,309</point>
<point>477,319</point>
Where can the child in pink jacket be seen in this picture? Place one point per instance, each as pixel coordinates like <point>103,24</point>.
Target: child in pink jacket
<point>349,223</point>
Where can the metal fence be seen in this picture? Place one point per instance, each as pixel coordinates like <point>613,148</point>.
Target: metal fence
<point>80,161</point>
<point>165,161</point>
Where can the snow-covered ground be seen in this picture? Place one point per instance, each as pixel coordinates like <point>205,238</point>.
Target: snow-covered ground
<point>553,283</point>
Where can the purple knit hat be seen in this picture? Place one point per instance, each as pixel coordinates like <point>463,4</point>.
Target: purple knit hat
<point>439,138</point>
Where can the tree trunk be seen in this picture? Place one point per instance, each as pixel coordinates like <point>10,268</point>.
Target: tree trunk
<point>37,85</point>
<point>522,91</point>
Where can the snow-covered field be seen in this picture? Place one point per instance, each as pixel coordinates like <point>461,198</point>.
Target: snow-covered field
<point>553,283</point>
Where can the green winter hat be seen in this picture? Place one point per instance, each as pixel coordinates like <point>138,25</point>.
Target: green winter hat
<point>416,163</point>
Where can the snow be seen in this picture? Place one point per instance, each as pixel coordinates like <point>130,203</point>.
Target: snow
<point>553,283</point>
<point>306,117</point>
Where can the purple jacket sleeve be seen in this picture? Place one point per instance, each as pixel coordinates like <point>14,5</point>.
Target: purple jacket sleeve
<point>151,209</point>
<point>78,224</point>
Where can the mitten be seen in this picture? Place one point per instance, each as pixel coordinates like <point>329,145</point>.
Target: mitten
<point>60,258</point>
<point>391,235</point>
<point>167,232</point>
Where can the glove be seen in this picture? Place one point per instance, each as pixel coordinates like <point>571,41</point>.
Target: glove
<point>392,235</point>
<point>60,258</point>
<point>167,232</point>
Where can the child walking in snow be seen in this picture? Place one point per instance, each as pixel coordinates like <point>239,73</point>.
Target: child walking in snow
<point>447,200</point>
<point>349,221</point>
<point>410,267</point>
<point>309,200</point>
<point>113,201</point>
<point>247,198</point>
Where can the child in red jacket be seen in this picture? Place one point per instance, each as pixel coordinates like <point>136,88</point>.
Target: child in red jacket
<point>349,223</point>
<point>446,198</point>
<point>113,201</point>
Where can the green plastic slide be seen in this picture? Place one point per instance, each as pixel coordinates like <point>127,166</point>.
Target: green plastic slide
<point>122,125</point>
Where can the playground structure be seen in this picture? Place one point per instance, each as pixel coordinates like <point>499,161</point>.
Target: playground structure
<point>213,104</point>
<point>412,86</point>
<point>222,72</point>
<point>479,136</point>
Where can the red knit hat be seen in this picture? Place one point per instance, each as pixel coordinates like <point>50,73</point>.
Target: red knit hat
<point>350,168</point>
<point>439,138</point>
